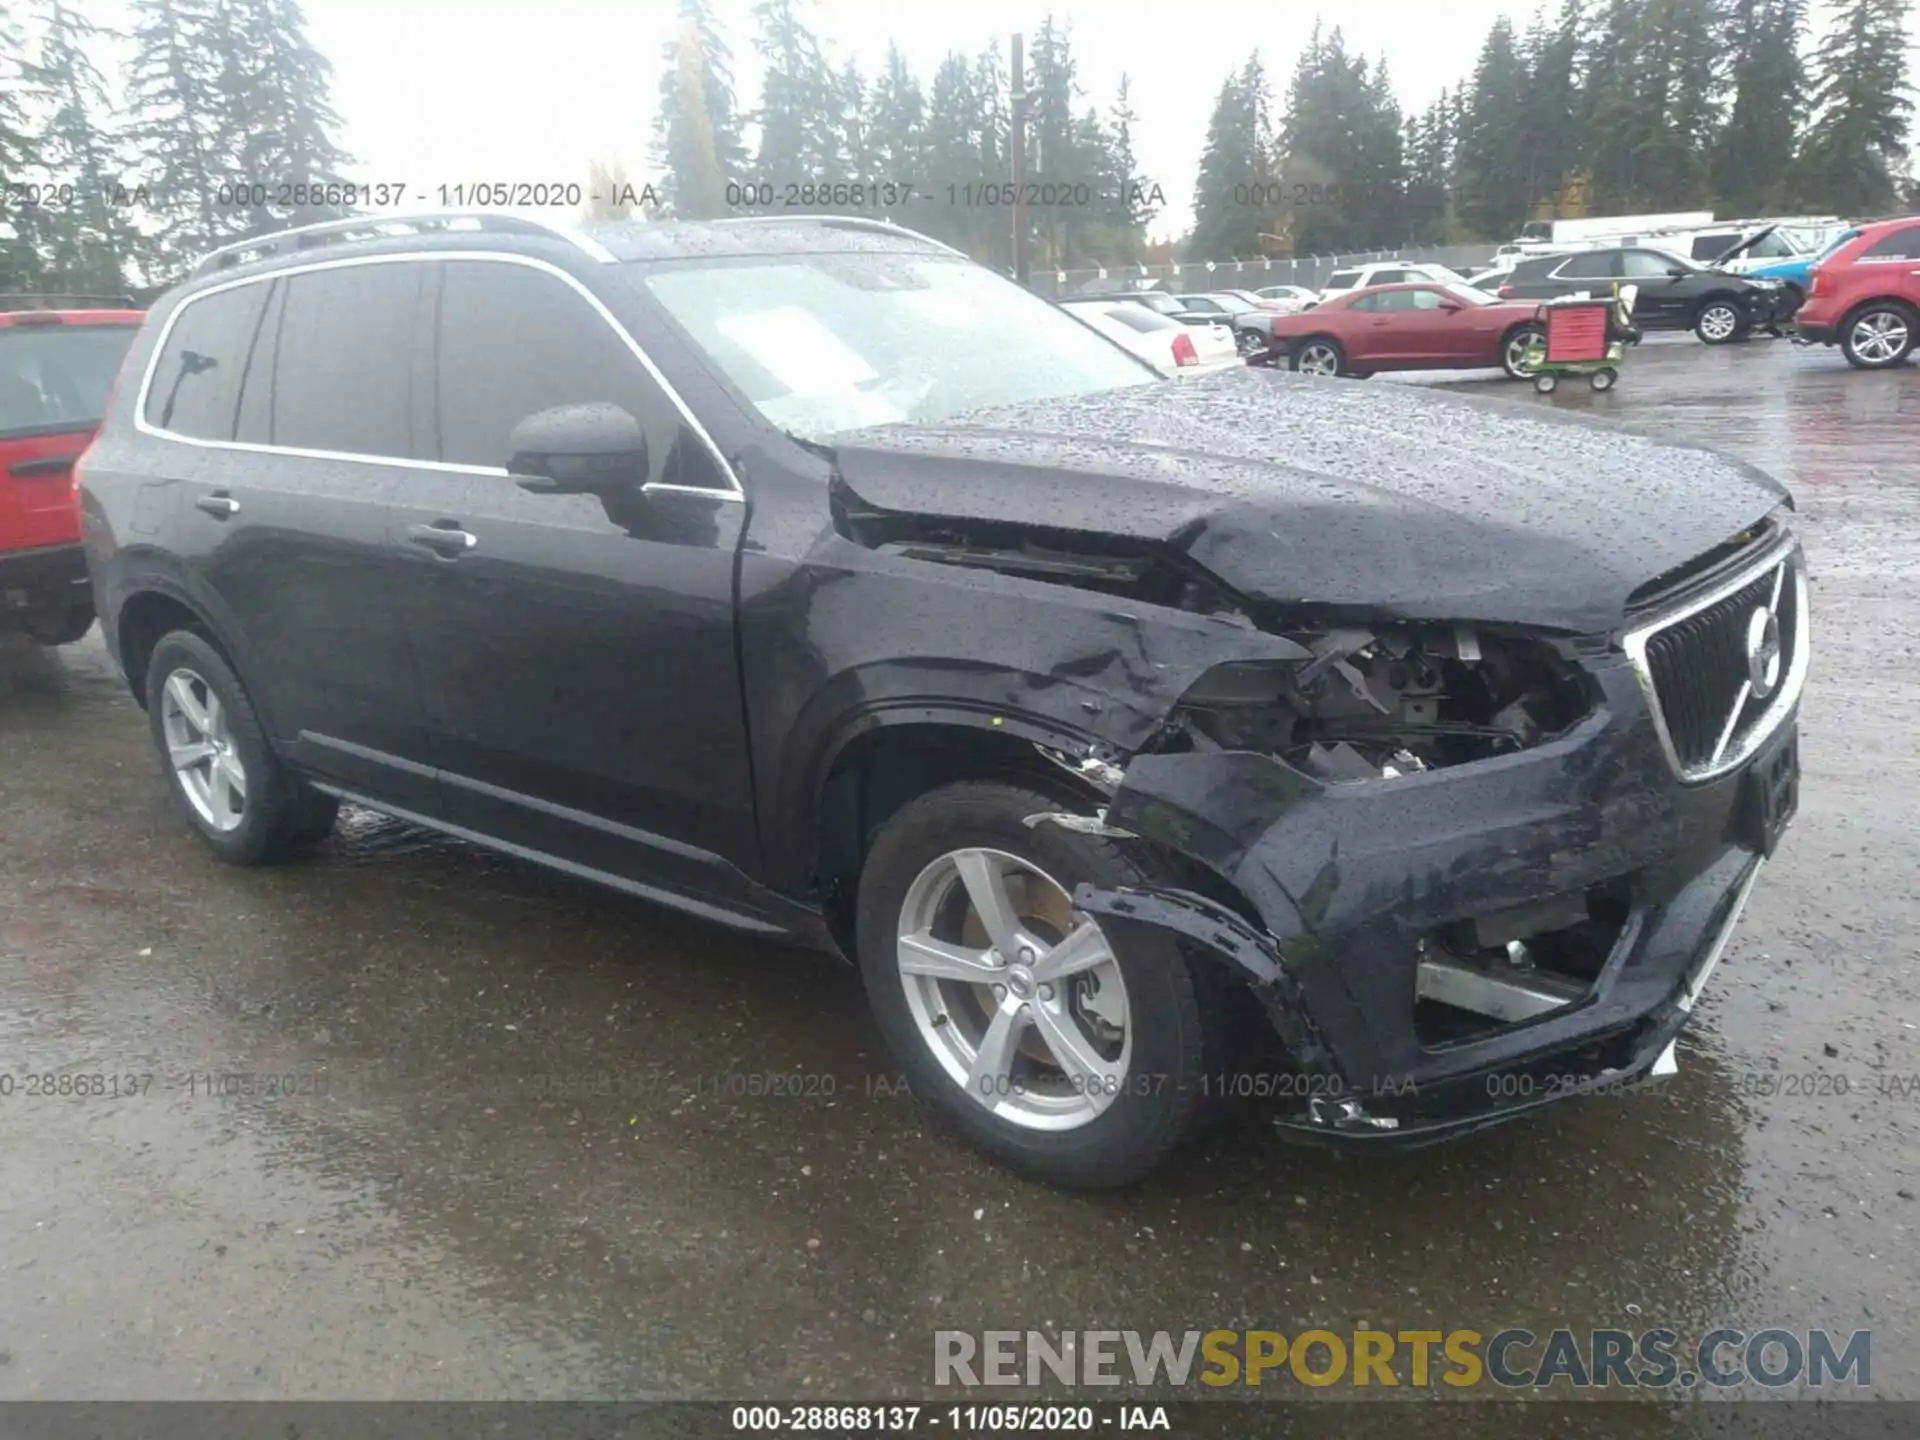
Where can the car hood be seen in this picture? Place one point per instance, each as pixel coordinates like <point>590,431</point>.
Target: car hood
<point>1376,499</point>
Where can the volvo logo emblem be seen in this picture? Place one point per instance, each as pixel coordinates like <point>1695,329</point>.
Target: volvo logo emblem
<point>1763,652</point>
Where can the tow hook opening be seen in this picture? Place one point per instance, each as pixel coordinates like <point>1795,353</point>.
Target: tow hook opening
<point>1477,976</point>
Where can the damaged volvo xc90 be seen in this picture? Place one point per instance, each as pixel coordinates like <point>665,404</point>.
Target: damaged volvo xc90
<point>809,577</point>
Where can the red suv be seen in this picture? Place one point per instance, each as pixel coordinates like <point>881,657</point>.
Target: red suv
<point>1865,296</point>
<point>58,357</point>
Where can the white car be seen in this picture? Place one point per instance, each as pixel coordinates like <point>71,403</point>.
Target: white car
<point>1388,272</point>
<point>1294,298</point>
<point>1163,342</point>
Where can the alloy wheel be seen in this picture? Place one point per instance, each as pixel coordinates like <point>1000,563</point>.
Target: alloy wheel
<point>1524,352</point>
<point>1878,337</point>
<point>200,748</point>
<point>1718,322</point>
<point>1016,995</point>
<point>1319,360</point>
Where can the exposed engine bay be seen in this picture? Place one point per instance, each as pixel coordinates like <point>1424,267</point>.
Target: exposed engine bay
<point>1379,702</point>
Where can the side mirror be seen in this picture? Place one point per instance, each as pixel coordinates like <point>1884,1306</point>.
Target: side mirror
<point>1676,272</point>
<point>578,450</point>
<point>1450,305</point>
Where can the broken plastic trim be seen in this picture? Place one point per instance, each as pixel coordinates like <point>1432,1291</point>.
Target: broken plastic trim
<point>1094,824</point>
<point>1097,771</point>
<point>1224,935</point>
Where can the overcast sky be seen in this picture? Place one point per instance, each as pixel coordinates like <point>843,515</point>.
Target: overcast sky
<point>435,92</point>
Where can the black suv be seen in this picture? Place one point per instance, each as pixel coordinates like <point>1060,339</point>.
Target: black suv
<point>1674,293</point>
<point>809,577</point>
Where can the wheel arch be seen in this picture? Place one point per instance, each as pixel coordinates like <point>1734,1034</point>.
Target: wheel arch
<point>882,760</point>
<point>149,613</point>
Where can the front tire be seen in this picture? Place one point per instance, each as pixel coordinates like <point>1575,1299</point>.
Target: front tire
<point>245,804</point>
<point>1073,1059</point>
<point>1878,336</point>
<point>1719,322</point>
<point>1318,356</point>
<point>1517,351</point>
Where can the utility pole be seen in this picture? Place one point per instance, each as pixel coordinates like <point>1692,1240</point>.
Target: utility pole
<point>1019,146</point>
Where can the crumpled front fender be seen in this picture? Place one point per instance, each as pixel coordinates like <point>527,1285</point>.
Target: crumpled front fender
<point>1222,934</point>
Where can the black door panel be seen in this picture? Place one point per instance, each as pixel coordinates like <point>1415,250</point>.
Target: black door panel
<point>577,661</point>
<point>292,543</point>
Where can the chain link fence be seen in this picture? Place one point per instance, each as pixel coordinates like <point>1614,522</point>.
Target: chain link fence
<point>1194,275</point>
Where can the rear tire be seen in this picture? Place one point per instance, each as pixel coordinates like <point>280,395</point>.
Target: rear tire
<point>1144,1099</point>
<point>237,794</point>
<point>1318,355</point>
<point>1879,335</point>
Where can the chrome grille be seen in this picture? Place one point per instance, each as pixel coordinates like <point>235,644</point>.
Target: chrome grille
<point>1699,664</point>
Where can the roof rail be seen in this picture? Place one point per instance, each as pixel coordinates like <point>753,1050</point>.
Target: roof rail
<point>838,222</point>
<point>67,302</point>
<point>361,227</point>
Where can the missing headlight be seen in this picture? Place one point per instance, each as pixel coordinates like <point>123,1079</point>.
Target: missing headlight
<point>1375,703</point>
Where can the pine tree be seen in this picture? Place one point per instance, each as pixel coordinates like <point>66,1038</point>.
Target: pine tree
<point>852,153</point>
<point>696,127</point>
<point>174,125</point>
<point>798,129</point>
<point>1852,158</point>
<point>86,245</point>
<point>1769,97</point>
<point>20,162</point>
<point>896,123</point>
<point>951,152</point>
<point>1428,165</point>
<point>1550,105</point>
<point>1493,196</point>
<point>1611,113</point>
<point>277,115</point>
<point>1376,208</point>
<point>1230,203</point>
<point>1134,201</point>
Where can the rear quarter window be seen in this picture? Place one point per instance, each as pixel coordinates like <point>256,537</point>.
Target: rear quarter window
<point>1901,244</point>
<point>55,378</point>
<point>194,386</point>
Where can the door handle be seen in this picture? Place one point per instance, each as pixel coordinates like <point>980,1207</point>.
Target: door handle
<point>219,505</point>
<point>445,538</point>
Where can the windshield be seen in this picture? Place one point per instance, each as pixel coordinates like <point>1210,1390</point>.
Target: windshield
<point>56,377</point>
<point>824,343</point>
<point>1467,295</point>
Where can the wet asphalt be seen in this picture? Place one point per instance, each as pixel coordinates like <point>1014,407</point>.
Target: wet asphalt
<point>431,1214</point>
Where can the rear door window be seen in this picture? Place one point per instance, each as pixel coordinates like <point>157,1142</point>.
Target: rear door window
<point>55,378</point>
<point>343,362</point>
<point>1594,265</point>
<point>194,387</point>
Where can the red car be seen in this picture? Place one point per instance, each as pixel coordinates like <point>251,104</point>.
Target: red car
<point>1429,326</point>
<point>56,368</point>
<point>1865,296</point>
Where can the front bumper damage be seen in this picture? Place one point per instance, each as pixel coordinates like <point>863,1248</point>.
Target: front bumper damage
<point>1351,882</point>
